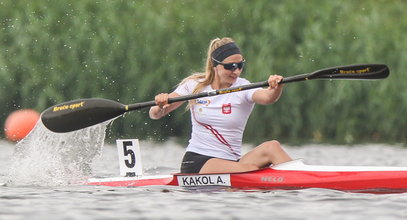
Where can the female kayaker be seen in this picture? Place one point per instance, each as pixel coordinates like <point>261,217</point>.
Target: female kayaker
<point>218,122</point>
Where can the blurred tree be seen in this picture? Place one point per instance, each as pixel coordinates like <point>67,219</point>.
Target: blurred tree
<point>130,50</point>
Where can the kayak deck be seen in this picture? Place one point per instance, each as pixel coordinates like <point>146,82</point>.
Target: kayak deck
<point>291,175</point>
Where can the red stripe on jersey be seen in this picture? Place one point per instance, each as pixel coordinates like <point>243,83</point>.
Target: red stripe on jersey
<point>215,133</point>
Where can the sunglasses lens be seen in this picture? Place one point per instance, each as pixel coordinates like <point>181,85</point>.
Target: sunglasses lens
<point>240,65</point>
<point>233,66</point>
<point>230,66</point>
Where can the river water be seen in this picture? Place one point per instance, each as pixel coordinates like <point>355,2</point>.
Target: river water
<point>38,184</point>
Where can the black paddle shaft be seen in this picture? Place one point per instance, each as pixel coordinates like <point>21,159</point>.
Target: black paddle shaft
<point>82,113</point>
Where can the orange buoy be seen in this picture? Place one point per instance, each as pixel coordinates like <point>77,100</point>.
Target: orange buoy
<point>19,123</point>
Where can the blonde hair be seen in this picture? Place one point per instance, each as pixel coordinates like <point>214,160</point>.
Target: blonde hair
<point>207,77</point>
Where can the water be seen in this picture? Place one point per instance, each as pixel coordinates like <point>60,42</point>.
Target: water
<point>48,197</point>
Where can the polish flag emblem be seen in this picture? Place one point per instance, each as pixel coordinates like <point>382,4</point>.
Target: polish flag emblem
<point>227,108</point>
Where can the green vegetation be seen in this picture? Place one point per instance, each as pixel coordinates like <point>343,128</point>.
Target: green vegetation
<point>130,50</point>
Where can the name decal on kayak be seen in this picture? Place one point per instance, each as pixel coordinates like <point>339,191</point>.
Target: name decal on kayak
<point>205,180</point>
<point>71,106</point>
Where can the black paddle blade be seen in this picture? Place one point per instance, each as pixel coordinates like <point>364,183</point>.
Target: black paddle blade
<point>80,113</point>
<point>357,71</point>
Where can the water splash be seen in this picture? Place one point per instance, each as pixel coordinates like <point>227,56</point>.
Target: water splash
<point>46,158</point>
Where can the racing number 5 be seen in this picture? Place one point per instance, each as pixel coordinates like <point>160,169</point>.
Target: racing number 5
<point>129,152</point>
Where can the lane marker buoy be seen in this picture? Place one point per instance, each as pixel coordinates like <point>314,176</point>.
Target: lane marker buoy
<point>19,123</point>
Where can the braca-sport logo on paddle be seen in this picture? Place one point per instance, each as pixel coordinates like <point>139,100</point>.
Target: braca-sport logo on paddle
<point>72,106</point>
<point>365,70</point>
<point>204,180</point>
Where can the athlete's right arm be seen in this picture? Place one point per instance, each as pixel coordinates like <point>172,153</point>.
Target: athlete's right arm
<point>163,108</point>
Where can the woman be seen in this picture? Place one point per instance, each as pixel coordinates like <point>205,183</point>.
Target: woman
<point>218,122</point>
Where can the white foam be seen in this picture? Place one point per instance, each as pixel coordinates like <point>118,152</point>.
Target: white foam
<point>48,158</point>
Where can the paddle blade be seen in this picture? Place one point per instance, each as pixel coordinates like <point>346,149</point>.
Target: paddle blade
<point>357,71</point>
<point>80,113</point>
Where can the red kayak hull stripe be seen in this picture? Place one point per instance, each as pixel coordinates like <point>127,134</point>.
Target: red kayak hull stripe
<point>270,178</point>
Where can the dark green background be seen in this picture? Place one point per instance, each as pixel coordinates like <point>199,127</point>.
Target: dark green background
<point>55,51</point>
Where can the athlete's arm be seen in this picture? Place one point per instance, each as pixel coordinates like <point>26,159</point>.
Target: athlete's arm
<point>271,94</point>
<point>163,108</point>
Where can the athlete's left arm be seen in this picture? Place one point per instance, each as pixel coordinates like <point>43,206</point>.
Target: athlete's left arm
<point>271,94</point>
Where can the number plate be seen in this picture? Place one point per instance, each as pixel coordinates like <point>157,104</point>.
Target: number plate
<point>129,157</point>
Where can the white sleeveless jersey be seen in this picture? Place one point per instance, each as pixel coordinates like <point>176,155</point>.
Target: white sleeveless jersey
<point>218,122</point>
